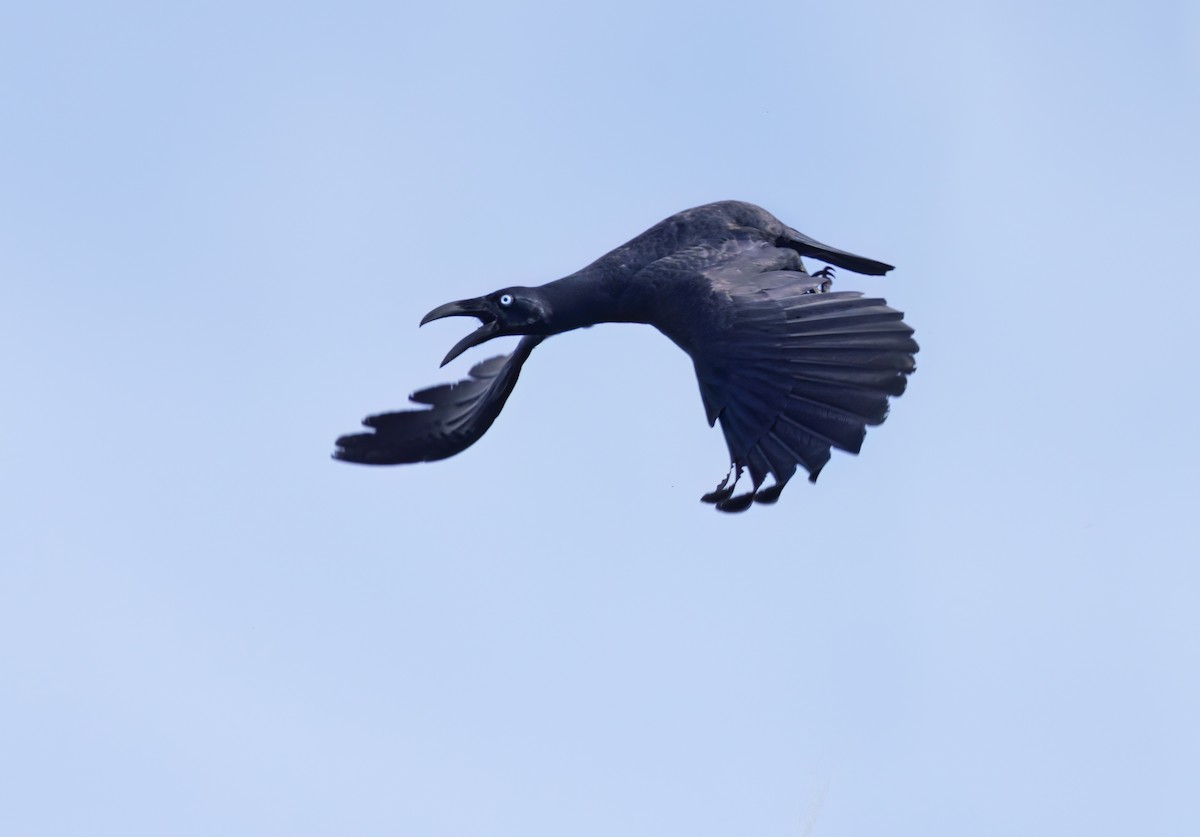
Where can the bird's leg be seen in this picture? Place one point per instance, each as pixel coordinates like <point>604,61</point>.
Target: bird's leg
<point>825,273</point>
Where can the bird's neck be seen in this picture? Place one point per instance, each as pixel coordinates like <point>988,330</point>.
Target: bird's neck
<point>584,299</point>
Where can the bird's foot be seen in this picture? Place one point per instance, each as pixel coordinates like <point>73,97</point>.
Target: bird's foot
<point>825,273</point>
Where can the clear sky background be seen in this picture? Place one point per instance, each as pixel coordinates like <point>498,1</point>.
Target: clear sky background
<point>219,227</point>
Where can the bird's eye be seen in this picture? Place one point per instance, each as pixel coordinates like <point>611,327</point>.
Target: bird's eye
<point>506,300</point>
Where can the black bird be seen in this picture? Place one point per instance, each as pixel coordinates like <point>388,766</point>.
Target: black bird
<point>789,367</point>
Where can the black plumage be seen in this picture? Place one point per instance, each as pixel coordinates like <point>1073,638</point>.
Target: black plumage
<point>790,368</point>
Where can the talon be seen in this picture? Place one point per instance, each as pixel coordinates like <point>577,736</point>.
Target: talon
<point>825,273</point>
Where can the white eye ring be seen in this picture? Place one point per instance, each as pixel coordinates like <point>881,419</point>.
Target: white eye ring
<point>506,300</point>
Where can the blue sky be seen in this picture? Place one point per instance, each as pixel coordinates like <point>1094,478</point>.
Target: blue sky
<point>219,227</point>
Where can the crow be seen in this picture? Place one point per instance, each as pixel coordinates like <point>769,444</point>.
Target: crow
<point>789,367</point>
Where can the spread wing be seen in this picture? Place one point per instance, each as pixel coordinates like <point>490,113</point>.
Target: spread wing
<point>793,371</point>
<point>458,415</point>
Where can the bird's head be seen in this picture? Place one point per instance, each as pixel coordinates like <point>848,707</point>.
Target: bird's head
<point>506,312</point>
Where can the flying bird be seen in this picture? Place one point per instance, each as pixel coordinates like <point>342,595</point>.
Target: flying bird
<point>789,367</point>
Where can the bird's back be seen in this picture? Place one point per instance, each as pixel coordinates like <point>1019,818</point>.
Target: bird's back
<point>720,227</point>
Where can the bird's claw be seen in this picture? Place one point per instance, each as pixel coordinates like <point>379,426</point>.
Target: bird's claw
<point>825,273</point>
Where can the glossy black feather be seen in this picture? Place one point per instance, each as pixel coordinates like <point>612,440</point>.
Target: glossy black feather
<point>789,368</point>
<point>795,373</point>
<point>459,414</point>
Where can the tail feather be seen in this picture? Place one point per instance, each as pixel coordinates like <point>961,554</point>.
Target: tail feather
<point>806,246</point>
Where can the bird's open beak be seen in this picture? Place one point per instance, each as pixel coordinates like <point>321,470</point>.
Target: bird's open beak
<point>478,307</point>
